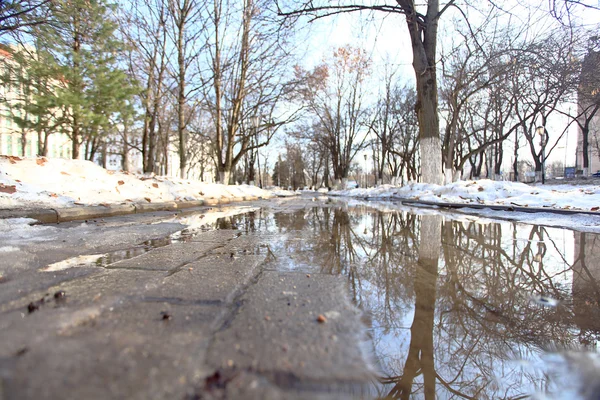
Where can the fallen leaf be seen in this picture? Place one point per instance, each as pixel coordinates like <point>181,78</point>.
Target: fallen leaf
<point>65,173</point>
<point>10,189</point>
<point>148,199</point>
<point>77,203</point>
<point>155,185</point>
<point>16,180</point>
<point>53,195</point>
<point>481,189</point>
<point>121,182</point>
<point>40,161</point>
<point>12,159</point>
<point>321,319</point>
<point>117,189</point>
<point>595,208</point>
<point>104,205</point>
<point>165,315</point>
<point>110,172</point>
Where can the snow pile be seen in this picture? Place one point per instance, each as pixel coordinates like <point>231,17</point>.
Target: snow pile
<point>62,183</point>
<point>487,192</point>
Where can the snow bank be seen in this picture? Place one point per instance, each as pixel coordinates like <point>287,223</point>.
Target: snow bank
<point>487,192</point>
<point>43,182</point>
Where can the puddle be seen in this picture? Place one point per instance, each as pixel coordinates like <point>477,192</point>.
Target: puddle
<point>220,220</point>
<point>458,308</point>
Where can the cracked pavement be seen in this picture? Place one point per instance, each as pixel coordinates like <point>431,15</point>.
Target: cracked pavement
<point>209,316</point>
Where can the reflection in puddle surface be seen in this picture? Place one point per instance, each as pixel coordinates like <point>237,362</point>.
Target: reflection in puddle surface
<point>459,309</point>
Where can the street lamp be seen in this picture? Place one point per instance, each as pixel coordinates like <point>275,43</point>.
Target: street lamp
<point>540,130</point>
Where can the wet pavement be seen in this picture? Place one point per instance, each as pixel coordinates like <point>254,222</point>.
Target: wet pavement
<point>308,298</point>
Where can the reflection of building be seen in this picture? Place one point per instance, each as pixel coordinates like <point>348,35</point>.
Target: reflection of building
<point>588,99</point>
<point>586,283</point>
<point>15,140</point>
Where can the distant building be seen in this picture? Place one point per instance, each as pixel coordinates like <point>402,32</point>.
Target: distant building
<point>588,105</point>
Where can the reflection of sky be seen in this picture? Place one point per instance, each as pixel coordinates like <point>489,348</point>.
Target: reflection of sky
<point>477,354</point>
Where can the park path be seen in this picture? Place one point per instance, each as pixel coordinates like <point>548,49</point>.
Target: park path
<point>214,317</point>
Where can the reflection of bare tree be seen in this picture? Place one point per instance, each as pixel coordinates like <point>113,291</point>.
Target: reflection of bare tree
<point>472,315</point>
<point>420,358</point>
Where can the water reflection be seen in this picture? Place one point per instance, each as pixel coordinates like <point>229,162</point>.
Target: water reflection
<point>453,303</point>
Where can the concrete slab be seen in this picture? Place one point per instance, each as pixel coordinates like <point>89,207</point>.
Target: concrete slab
<point>148,207</point>
<point>129,352</point>
<point>212,280</point>
<point>89,212</point>
<point>276,331</point>
<point>44,216</point>
<point>168,257</point>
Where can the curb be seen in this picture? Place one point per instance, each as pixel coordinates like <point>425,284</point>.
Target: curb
<point>513,208</point>
<point>76,213</point>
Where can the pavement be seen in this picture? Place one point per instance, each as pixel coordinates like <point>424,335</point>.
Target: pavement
<point>214,316</point>
<point>218,315</point>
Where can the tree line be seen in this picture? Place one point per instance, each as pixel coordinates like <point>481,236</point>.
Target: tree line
<point>219,80</point>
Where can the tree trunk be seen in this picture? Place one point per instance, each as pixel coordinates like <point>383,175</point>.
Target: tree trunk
<point>125,156</point>
<point>224,176</point>
<point>181,102</point>
<point>75,139</point>
<point>585,132</point>
<point>424,43</point>
<point>104,155</point>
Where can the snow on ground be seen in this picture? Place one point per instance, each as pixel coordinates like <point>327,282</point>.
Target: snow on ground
<point>42,182</point>
<point>487,192</point>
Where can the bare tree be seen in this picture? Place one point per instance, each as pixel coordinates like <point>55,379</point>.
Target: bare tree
<point>245,78</point>
<point>396,132</point>
<point>334,92</point>
<point>21,15</point>
<point>144,26</point>
<point>422,23</point>
<point>187,25</point>
<point>549,76</point>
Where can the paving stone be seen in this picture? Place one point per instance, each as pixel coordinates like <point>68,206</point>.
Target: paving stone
<point>212,278</point>
<point>275,330</point>
<point>168,257</point>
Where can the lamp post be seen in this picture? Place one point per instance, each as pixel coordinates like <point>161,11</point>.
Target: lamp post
<point>540,130</point>
<point>366,179</point>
